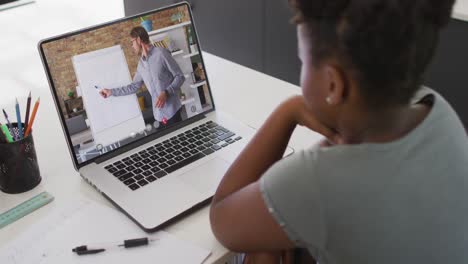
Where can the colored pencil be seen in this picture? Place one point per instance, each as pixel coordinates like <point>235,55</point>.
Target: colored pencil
<point>3,137</point>
<point>28,109</point>
<point>12,132</point>
<point>20,123</point>
<point>7,134</point>
<point>33,116</point>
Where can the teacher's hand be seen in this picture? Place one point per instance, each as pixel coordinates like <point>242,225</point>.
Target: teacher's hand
<point>161,101</point>
<point>105,93</point>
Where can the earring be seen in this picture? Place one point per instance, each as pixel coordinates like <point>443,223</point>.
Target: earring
<point>329,100</point>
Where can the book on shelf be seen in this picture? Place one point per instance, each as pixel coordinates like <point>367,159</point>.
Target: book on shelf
<point>160,44</point>
<point>163,41</point>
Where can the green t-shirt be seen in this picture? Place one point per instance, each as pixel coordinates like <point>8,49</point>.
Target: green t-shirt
<point>400,202</point>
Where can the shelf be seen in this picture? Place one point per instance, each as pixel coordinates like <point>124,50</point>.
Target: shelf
<point>175,53</point>
<point>191,55</point>
<point>77,113</point>
<point>198,84</point>
<point>72,99</point>
<point>161,30</point>
<point>188,101</point>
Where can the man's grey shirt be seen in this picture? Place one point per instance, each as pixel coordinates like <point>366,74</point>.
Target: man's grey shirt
<point>159,72</point>
<point>405,201</point>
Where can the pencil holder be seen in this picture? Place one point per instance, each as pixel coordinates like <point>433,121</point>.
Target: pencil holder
<point>19,170</point>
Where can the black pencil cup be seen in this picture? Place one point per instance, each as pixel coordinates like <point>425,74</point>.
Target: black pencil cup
<point>19,170</point>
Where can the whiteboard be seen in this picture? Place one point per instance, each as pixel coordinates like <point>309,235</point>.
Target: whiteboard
<point>114,118</point>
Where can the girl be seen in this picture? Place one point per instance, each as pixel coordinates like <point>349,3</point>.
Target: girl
<point>389,183</point>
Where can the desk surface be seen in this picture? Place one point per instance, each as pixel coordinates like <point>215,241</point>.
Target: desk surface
<point>232,85</point>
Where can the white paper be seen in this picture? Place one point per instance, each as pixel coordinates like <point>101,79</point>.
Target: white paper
<point>86,223</point>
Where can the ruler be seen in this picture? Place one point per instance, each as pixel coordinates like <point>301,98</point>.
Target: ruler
<point>25,208</point>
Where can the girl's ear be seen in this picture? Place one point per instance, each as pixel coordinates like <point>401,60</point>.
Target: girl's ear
<point>336,84</point>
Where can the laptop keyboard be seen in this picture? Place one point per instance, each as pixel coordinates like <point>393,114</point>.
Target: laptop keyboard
<point>155,162</point>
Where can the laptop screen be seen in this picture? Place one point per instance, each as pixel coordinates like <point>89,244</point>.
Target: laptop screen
<point>126,80</point>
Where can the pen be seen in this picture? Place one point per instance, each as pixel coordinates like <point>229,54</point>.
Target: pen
<point>28,108</point>
<point>18,118</point>
<point>28,129</point>
<point>129,243</point>
<point>9,124</point>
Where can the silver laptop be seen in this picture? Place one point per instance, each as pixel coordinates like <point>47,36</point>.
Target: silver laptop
<point>142,130</point>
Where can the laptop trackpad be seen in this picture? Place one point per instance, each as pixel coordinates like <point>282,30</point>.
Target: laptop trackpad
<point>207,176</point>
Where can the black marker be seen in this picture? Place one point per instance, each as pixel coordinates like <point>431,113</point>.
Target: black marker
<point>129,243</point>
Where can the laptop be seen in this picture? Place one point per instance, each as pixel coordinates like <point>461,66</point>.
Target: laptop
<point>154,162</point>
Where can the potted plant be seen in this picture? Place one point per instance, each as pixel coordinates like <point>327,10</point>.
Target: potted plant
<point>70,94</point>
<point>146,23</point>
<point>177,17</point>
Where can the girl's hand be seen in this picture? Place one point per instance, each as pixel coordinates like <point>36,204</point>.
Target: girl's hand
<point>304,117</point>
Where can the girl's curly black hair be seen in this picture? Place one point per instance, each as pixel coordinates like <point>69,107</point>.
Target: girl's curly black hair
<point>386,45</point>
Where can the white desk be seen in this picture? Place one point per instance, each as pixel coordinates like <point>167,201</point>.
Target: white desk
<point>244,93</point>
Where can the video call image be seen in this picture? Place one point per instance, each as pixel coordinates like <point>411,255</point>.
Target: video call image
<point>122,82</point>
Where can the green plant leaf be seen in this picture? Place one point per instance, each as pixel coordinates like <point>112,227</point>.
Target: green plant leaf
<point>140,19</point>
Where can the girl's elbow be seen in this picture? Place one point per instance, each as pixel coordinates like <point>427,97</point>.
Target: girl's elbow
<point>217,226</point>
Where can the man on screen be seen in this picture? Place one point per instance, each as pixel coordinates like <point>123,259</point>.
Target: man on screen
<point>160,73</point>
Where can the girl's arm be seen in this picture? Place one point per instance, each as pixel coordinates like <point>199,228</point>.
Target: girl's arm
<point>239,217</point>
